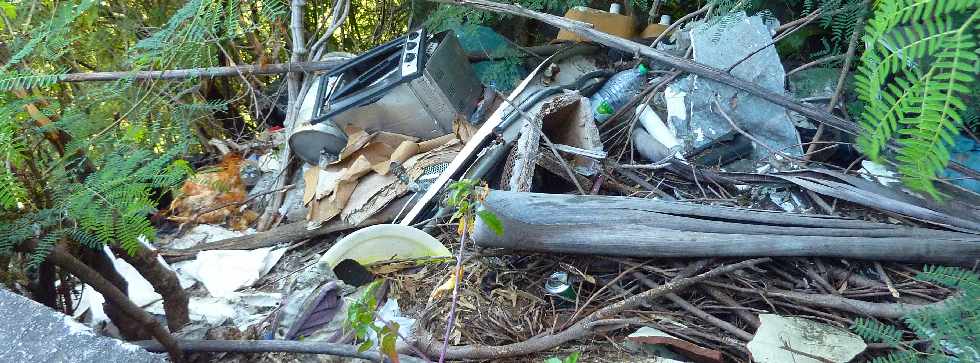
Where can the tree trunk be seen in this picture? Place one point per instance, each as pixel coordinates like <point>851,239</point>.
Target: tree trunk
<point>97,260</point>
<point>164,281</point>
<point>113,295</point>
<point>43,289</point>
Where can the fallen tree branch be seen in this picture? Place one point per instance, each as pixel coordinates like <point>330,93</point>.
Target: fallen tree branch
<point>873,309</point>
<point>599,320</point>
<point>266,346</point>
<point>557,223</point>
<point>631,47</point>
<point>209,72</point>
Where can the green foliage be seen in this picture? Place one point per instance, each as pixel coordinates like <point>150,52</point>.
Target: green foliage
<point>86,169</point>
<point>921,59</point>
<point>112,203</point>
<point>451,16</point>
<point>361,316</point>
<point>841,24</point>
<point>467,196</point>
<point>571,358</point>
<point>190,36</point>
<point>952,330</point>
<point>729,11</point>
<point>26,80</point>
<point>11,191</point>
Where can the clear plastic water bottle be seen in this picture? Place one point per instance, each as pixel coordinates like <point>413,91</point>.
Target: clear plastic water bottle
<point>617,92</point>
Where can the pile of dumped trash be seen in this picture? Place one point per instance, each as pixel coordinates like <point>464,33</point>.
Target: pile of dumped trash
<point>663,172</point>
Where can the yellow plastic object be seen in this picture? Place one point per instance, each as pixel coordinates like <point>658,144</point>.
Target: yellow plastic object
<point>653,31</point>
<point>384,242</point>
<point>616,24</point>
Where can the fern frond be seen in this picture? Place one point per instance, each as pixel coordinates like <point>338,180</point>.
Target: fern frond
<point>899,357</point>
<point>11,191</point>
<point>274,10</point>
<point>920,61</point>
<point>12,80</point>
<point>924,150</point>
<point>44,246</point>
<point>952,328</point>
<point>875,331</point>
<point>954,277</point>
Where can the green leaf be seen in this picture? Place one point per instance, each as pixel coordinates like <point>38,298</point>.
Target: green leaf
<point>553,360</point>
<point>364,346</point>
<point>572,358</point>
<point>8,9</point>
<point>388,344</point>
<point>491,221</point>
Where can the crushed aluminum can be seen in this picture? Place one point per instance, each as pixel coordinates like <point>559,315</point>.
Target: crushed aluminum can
<point>559,284</point>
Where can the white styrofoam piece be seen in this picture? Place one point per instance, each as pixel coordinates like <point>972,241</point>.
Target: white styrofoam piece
<point>224,271</point>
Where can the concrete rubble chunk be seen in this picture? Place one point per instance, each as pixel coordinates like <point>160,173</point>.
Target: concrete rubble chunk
<point>790,339</point>
<point>32,332</point>
<point>720,45</point>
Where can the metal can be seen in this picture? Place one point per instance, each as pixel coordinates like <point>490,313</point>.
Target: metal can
<point>559,284</point>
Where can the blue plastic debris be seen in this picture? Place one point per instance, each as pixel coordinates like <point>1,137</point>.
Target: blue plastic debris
<point>965,151</point>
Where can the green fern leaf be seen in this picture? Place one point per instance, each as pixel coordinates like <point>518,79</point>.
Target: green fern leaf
<point>920,61</point>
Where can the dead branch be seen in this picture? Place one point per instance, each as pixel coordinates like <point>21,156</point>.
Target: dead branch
<point>694,310</point>
<point>878,310</point>
<point>558,223</point>
<point>209,72</point>
<point>597,321</point>
<point>266,346</point>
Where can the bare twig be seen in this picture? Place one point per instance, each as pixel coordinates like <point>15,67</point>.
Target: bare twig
<point>209,72</point>
<point>592,323</point>
<point>888,281</point>
<point>878,310</point>
<point>783,35</point>
<point>848,58</point>
<point>458,276</point>
<point>735,126</point>
<point>694,310</point>
<point>815,63</point>
<point>680,22</point>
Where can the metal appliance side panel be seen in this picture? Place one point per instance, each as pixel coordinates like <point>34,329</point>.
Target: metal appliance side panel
<point>448,85</point>
<point>398,111</point>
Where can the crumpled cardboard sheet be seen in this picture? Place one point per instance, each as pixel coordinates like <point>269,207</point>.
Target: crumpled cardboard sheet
<point>360,182</point>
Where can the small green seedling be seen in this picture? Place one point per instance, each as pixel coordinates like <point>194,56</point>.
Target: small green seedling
<point>361,317</point>
<point>571,358</point>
